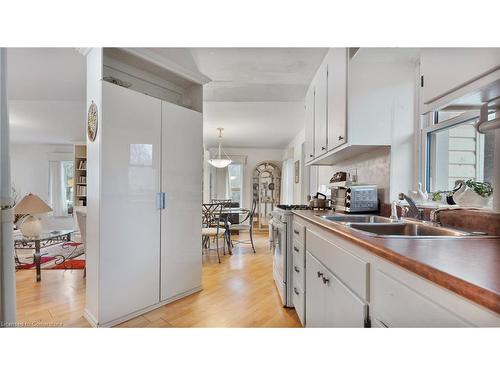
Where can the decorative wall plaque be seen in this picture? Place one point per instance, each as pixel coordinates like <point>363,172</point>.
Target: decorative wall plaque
<point>92,122</point>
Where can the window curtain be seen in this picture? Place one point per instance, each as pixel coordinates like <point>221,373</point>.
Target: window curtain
<point>57,195</point>
<point>222,190</point>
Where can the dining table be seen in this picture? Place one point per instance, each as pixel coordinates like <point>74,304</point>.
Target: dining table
<point>227,212</point>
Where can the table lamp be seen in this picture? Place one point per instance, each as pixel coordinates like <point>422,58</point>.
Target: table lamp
<point>31,204</point>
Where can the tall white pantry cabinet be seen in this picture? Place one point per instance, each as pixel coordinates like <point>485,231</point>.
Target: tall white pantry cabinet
<point>150,193</point>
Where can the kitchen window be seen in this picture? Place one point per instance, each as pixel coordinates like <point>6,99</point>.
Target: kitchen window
<point>456,151</point>
<point>235,174</point>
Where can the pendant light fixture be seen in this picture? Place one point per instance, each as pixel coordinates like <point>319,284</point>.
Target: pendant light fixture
<point>220,161</point>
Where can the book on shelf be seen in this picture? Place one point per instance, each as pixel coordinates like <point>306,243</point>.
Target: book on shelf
<point>82,165</point>
<point>81,190</point>
<point>81,179</point>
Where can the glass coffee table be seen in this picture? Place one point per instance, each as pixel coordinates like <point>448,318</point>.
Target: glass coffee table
<point>46,238</point>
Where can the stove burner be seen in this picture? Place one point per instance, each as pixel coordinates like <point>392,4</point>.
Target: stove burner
<point>288,207</point>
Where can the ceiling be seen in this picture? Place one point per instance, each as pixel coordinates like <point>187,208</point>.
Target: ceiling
<point>252,124</point>
<point>46,91</point>
<point>257,74</point>
<point>255,94</point>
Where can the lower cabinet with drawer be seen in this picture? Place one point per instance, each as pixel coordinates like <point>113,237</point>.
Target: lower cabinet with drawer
<point>329,303</point>
<point>298,274</point>
<point>348,286</point>
<point>399,305</point>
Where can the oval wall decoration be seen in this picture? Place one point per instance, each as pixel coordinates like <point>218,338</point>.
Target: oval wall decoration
<point>92,122</point>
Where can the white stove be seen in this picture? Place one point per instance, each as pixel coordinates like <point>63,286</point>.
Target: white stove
<point>280,230</point>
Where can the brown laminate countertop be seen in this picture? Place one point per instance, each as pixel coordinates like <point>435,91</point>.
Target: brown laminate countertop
<point>469,267</point>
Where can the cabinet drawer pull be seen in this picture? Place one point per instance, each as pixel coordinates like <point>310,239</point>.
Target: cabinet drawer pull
<point>295,248</point>
<point>320,274</point>
<point>325,280</point>
<point>296,291</point>
<point>311,155</point>
<point>296,231</point>
<point>296,269</point>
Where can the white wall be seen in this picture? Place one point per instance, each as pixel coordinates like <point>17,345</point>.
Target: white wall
<point>294,150</point>
<point>254,157</point>
<point>30,174</point>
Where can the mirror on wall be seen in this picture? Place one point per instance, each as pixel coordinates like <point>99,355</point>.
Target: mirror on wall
<point>266,190</point>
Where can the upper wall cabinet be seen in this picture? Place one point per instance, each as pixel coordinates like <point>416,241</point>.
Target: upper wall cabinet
<point>445,71</point>
<point>337,97</point>
<point>321,110</point>
<point>368,94</point>
<point>309,107</point>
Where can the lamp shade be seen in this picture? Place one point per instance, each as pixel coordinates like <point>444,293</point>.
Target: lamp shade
<point>220,163</point>
<point>31,204</point>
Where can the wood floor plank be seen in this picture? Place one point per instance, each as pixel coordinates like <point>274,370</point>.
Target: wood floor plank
<point>238,292</point>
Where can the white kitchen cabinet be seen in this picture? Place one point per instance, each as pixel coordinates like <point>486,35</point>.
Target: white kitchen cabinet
<point>329,303</point>
<point>343,308</point>
<point>150,249</point>
<point>130,221</point>
<point>337,97</point>
<point>368,96</point>
<point>180,245</point>
<point>309,126</point>
<point>444,70</point>
<point>398,305</point>
<point>396,297</point>
<point>320,110</point>
<point>315,295</point>
<point>298,274</point>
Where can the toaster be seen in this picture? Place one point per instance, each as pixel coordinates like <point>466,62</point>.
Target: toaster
<point>355,198</point>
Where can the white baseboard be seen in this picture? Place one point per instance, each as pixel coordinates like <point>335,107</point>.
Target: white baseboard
<point>135,314</point>
<point>90,318</point>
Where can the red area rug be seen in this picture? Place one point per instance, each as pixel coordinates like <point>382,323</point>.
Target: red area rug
<point>69,255</point>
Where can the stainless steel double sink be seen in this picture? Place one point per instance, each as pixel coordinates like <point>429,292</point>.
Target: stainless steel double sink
<point>379,226</point>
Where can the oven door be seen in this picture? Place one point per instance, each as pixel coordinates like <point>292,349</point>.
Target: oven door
<point>279,257</point>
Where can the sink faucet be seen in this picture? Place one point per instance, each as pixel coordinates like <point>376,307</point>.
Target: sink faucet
<point>413,211</point>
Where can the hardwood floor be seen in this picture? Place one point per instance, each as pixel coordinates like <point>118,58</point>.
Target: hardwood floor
<point>239,292</point>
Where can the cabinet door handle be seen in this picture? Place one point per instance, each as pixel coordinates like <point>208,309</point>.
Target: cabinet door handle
<point>160,200</point>
<point>323,148</point>
<point>296,269</point>
<point>295,248</point>
<point>320,274</point>
<point>340,138</point>
<point>311,155</point>
<point>325,280</point>
<point>296,231</point>
<point>296,291</point>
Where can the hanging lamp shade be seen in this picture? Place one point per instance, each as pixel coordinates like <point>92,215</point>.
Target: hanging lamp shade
<point>222,160</point>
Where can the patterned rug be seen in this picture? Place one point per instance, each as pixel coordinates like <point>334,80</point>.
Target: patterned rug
<point>70,255</point>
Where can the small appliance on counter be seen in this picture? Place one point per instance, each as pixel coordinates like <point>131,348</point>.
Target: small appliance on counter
<point>354,197</point>
<point>339,178</point>
<point>319,202</point>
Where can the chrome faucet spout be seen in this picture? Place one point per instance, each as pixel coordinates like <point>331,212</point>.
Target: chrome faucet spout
<point>413,211</point>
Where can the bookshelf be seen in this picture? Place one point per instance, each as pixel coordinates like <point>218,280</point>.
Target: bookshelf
<point>80,180</point>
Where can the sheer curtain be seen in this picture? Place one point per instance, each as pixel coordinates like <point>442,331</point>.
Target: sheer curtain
<point>57,194</point>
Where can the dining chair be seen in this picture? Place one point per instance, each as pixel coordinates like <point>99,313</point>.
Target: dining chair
<point>213,227</point>
<point>226,204</point>
<point>246,224</point>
